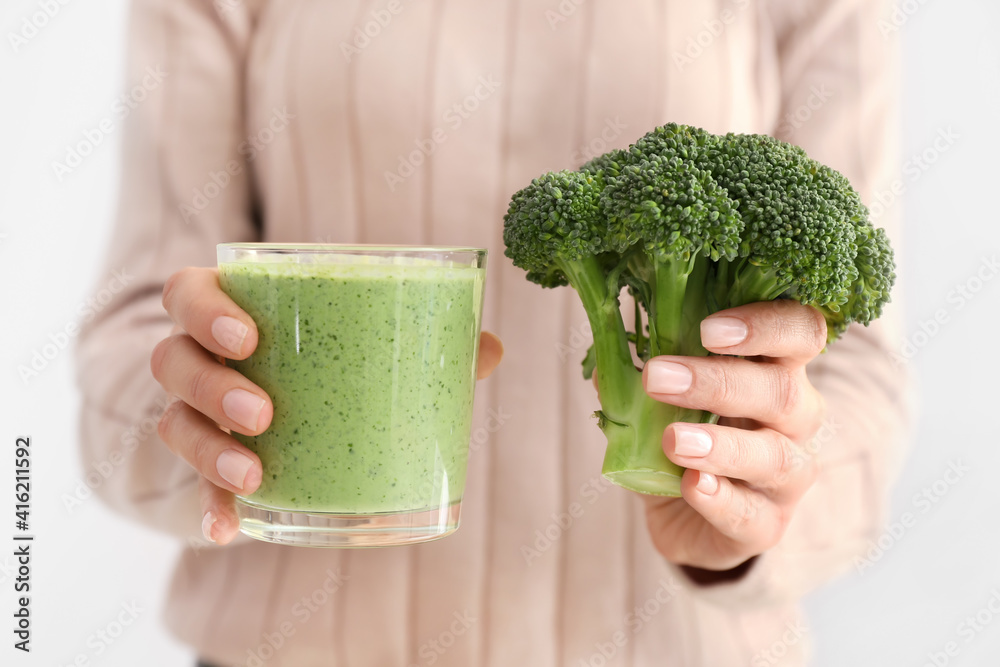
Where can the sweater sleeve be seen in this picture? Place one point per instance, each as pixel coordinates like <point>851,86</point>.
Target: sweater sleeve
<point>838,101</point>
<point>185,187</point>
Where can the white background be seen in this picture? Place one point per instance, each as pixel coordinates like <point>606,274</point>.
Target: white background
<point>908,604</point>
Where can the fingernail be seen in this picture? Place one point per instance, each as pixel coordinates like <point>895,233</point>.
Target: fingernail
<point>707,483</point>
<point>243,407</point>
<point>229,332</point>
<point>723,331</point>
<point>691,441</point>
<point>233,467</point>
<point>666,377</point>
<point>206,525</point>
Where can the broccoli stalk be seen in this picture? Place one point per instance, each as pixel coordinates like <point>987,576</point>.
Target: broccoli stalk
<point>632,421</point>
<point>691,223</point>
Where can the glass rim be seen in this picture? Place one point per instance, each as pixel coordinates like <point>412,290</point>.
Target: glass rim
<point>348,247</point>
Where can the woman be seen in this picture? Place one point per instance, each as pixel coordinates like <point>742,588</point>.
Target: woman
<point>405,122</point>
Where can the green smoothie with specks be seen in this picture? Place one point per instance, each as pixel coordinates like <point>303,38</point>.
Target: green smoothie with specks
<point>371,368</point>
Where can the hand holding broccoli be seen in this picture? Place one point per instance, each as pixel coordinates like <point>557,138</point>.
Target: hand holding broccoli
<point>691,223</point>
<point>746,474</point>
<point>736,245</point>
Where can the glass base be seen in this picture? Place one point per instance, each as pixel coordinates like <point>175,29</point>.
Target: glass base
<point>346,531</point>
<point>651,482</point>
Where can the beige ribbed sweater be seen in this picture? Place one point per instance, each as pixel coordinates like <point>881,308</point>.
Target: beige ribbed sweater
<point>277,121</point>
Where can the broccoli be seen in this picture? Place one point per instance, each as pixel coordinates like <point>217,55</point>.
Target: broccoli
<point>691,223</point>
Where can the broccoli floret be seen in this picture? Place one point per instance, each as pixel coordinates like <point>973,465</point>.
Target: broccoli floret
<point>554,229</point>
<point>557,220</point>
<point>691,223</point>
<point>800,218</point>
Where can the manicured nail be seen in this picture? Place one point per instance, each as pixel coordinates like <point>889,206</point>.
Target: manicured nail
<point>707,483</point>
<point>723,332</point>
<point>233,467</point>
<point>691,441</point>
<point>229,332</point>
<point>666,377</point>
<point>243,407</point>
<point>206,525</point>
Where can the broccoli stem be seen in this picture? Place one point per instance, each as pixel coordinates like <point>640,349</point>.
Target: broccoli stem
<point>634,458</point>
<point>632,421</point>
<point>614,359</point>
<point>752,283</point>
<point>668,284</point>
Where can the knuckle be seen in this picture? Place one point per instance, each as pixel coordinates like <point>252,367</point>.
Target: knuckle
<point>200,386</point>
<point>785,459</point>
<point>170,288</point>
<point>788,392</point>
<point>157,359</point>
<point>723,384</point>
<point>740,450</point>
<point>202,448</point>
<point>818,331</point>
<point>166,423</point>
<point>780,333</point>
<point>744,512</point>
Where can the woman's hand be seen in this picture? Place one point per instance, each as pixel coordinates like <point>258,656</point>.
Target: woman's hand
<point>209,326</point>
<point>746,475</point>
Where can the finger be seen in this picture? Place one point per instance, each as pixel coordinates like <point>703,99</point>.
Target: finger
<point>752,522</point>
<point>219,522</point>
<point>490,354</point>
<point>784,330</point>
<point>763,458</point>
<point>773,394</point>
<point>189,371</point>
<point>215,454</point>
<point>194,300</point>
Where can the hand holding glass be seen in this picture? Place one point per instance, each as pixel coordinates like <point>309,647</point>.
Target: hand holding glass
<point>369,355</point>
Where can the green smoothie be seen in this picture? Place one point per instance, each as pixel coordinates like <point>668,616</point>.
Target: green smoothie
<point>371,368</point>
